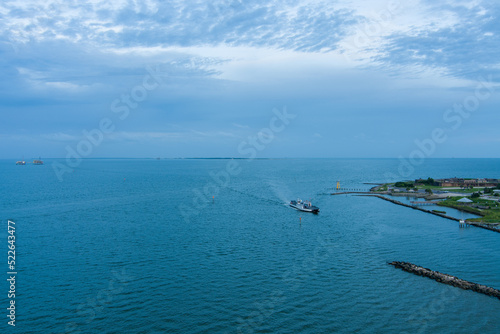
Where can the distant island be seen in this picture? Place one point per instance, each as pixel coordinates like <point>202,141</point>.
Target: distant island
<point>478,196</point>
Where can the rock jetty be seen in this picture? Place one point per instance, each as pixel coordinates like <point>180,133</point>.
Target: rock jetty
<point>446,279</point>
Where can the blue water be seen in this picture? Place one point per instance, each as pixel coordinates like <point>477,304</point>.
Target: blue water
<point>108,251</point>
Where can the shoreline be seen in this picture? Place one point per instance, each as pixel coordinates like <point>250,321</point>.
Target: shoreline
<point>413,207</point>
<point>480,225</point>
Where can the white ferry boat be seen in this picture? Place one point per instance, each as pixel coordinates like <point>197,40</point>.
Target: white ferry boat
<point>305,206</point>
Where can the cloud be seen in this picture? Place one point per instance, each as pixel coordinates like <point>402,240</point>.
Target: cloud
<point>241,126</point>
<point>145,136</point>
<point>181,136</point>
<point>60,136</point>
<point>298,25</point>
<point>464,45</point>
<point>226,38</point>
<point>226,64</point>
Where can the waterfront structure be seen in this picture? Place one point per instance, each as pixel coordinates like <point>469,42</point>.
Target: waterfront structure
<point>466,183</point>
<point>465,201</point>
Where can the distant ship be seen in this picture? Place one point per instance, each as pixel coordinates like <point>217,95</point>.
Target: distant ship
<point>21,162</point>
<point>305,206</point>
<point>38,162</point>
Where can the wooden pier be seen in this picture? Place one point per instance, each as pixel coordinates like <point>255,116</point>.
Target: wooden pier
<point>350,192</point>
<point>343,190</point>
<point>424,202</point>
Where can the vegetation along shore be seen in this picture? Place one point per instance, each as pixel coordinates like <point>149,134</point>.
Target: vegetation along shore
<point>477,196</point>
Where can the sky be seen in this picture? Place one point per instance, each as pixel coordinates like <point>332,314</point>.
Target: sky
<point>361,79</point>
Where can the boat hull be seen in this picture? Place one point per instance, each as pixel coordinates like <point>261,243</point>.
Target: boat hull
<point>300,208</point>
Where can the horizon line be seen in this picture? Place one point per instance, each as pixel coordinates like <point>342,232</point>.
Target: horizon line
<point>238,158</point>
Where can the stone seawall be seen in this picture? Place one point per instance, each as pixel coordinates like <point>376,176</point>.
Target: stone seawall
<point>484,226</point>
<point>446,279</point>
<point>414,207</point>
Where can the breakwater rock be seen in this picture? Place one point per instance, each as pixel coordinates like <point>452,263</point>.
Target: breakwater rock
<point>446,279</point>
<point>413,207</point>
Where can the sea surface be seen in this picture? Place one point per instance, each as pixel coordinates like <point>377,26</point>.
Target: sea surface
<point>158,246</point>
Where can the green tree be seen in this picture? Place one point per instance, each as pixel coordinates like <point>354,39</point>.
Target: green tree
<point>404,184</point>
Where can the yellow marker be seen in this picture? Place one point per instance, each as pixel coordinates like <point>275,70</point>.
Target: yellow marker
<point>338,185</point>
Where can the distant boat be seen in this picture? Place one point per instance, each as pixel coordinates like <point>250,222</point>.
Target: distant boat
<point>305,206</point>
<point>21,162</point>
<point>38,162</point>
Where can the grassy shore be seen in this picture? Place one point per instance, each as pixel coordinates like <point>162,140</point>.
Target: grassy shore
<point>386,186</point>
<point>489,216</point>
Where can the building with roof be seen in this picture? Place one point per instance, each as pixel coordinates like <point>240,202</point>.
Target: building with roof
<point>465,201</point>
<point>467,183</point>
